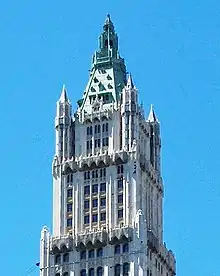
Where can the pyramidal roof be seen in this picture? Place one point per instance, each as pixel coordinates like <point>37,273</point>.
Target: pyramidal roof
<point>108,73</point>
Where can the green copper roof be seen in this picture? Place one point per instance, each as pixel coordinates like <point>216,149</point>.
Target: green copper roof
<point>108,72</point>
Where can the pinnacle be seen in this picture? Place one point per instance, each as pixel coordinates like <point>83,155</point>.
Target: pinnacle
<point>63,96</point>
<point>130,83</point>
<point>152,118</point>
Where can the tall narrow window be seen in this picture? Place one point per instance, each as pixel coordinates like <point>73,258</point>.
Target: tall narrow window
<point>57,259</point>
<point>117,270</point>
<point>83,272</point>
<point>125,248</point>
<point>125,269</point>
<point>120,213</point>
<point>91,253</point>
<point>69,222</point>
<point>117,249</point>
<point>91,272</point>
<point>66,258</point>
<point>100,252</point>
<point>83,255</point>
<point>69,193</point>
<point>99,271</point>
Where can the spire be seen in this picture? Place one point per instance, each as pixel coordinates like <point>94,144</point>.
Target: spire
<point>63,96</point>
<point>152,118</point>
<point>130,83</point>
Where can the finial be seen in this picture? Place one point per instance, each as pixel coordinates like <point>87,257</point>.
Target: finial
<point>152,118</point>
<point>108,22</point>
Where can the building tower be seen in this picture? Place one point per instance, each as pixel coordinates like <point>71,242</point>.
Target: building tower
<point>107,185</point>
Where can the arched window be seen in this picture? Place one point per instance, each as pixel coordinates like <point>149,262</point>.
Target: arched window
<point>66,258</point>
<point>117,270</point>
<point>99,271</point>
<point>57,274</point>
<point>65,274</point>
<point>125,248</point>
<point>117,249</point>
<point>57,259</point>
<point>100,252</point>
<point>83,272</point>
<point>126,268</point>
<point>91,272</point>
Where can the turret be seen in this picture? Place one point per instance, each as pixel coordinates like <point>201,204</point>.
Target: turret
<point>128,112</point>
<point>63,123</point>
<point>155,143</point>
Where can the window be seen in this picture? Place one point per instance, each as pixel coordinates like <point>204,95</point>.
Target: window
<point>103,216</point>
<point>68,178</point>
<point>120,198</point>
<point>95,203</point>
<point>91,253</point>
<point>103,202</point>
<point>95,188</point>
<point>86,204</point>
<point>69,222</point>
<point>120,183</point>
<point>120,169</point>
<point>99,271</point>
<point>87,190</point>
<point>57,259</point>
<point>69,193</point>
<point>66,258</point>
<point>97,143</point>
<point>83,272</point>
<point>126,269</point>
<point>97,128</point>
<point>94,218</point>
<point>95,174</point>
<point>103,172</point>
<point>105,141</point>
<point>88,132</point>
<point>86,219</point>
<point>117,249</point>
<point>65,274</point>
<point>69,207</point>
<point>117,270</point>
<point>91,272</point>
<point>83,255</point>
<point>100,252</point>
<point>120,213</point>
<point>86,175</point>
<point>125,248</point>
<point>57,274</point>
<point>105,127</point>
<point>103,187</point>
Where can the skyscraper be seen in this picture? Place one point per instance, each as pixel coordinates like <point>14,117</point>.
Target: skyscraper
<point>107,185</point>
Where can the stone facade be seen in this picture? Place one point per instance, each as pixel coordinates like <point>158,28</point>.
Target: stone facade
<point>107,185</point>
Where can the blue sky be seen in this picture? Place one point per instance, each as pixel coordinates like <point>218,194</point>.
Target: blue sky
<point>172,50</point>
